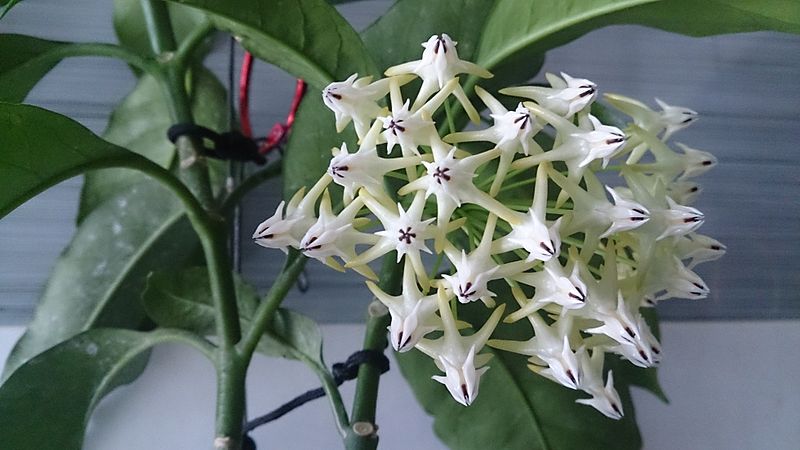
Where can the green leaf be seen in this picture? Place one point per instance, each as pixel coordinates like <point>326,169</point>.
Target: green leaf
<point>25,61</point>
<point>99,278</point>
<point>41,148</point>
<point>42,411</point>
<point>515,26</point>
<point>307,38</point>
<point>419,19</point>
<point>182,299</point>
<point>131,30</point>
<point>7,7</point>
<point>517,409</point>
<point>293,335</point>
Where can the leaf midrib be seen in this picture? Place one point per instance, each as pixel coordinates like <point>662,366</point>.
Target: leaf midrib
<point>115,285</point>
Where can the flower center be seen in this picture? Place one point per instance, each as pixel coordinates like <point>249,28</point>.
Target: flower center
<point>395,126</point>
<point>441,174</point>
<point>407,235</point>
<point>337,171</point>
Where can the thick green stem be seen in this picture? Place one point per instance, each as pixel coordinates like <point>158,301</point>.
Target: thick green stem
<point>231,375</point>
<point>362,434</point>
<point>194,170</point>
<point>210,227</point>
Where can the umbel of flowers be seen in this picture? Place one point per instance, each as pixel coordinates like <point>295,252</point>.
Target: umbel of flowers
<point>532,216</point>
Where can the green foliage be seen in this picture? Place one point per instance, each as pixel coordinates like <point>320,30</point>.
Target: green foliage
<point>41,148</point>
<point>129,226</point>
<point>515,26</point>
<point>25,61</point>
<point>46,404</point>
<point>182,299</point>
<point>307,38</point>
<point>99,278</point>
<point>129,24</point>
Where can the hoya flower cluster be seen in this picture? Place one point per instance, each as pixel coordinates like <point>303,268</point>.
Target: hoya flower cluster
<point>580,257</point>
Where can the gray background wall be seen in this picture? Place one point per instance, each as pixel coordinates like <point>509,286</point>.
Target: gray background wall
<point>730,382</point>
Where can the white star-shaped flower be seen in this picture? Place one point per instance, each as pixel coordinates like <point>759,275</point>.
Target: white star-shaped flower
<point>356,99</point>
<point>593,214</point>
<point>698,249</point>
<point>604,397</point>
<point>284,230</point>
<point>564,97</point>
<point>413,314</point>
<point>670,119</point>
<point>532,233</point>
<point>456,355</point>
<point>550,351</point>
<point>555,284</point>
<point>408,128</point>
<point>364,168</point>
<point>403,231</point>
<point>578,147</point>
<point>512,132</point>
<point>334,235</point>
<point>440,64</point>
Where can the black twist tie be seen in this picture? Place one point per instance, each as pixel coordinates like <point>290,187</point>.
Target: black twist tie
<point>348,370</point>
<point>342,372</point>
<point>231,145</point>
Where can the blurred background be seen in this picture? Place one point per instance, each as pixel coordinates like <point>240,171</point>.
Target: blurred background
<point>730,359</point>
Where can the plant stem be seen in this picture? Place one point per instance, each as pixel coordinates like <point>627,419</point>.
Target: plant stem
<point>362,434</point>
<point>250,183</point>
<point>210,227</point>
<point>173,80</point>
<point>262,318</point>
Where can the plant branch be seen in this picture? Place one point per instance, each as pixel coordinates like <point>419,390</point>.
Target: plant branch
<point>362,434</point>
<point>173,80</point>
<point>250,183</point>
<point>262,318</point>
<point>186,48</point>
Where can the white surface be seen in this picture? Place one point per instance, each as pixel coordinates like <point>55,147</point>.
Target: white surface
<point>731,385</point>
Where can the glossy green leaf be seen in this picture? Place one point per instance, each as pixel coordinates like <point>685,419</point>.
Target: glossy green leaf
<point>25,61</point>
<point>99,278</point>
<point>182,299</point>
<point>40,410</point>
<point>41,148</point>
<point>516,26</point>
<point>307,38</point>
<point>131,30</point>
<point>293,335</point>
<point>517,409</point>
<point>397,36</point>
